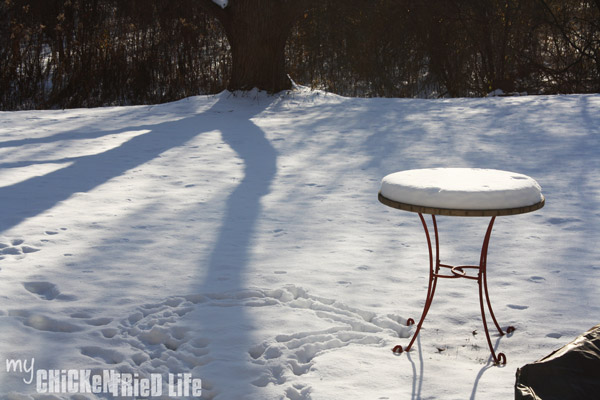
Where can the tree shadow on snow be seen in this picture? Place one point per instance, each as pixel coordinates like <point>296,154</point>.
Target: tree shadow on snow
<point>228,261</point>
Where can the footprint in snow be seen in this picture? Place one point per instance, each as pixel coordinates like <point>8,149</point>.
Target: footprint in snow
<point>561,221</point>
<point>16,247</point>
<point>46,291</point>
<point>29,249</point>
<point>103,354</point>
<point>298,392</point>
<point>297,352</point>
<point>517,307</point>
<point>11,251</point>
<point>279,232</point>
<point>99,321</point>
<point>44,323</point>
<point>154,339</point>
<point>554,335</point>
<point>162,336</point>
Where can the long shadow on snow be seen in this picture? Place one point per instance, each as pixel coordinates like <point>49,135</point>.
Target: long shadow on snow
<point>36,195</point>
<point>229,258</point>
<point>243,208</point>
<point>33,196</point>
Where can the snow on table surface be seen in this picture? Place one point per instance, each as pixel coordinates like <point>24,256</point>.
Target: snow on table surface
<point>462,188</point>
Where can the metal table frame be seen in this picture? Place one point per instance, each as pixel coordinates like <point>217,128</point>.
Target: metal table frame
<point>459,271</point>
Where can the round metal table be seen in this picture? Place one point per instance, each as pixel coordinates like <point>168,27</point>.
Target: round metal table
<point>402,185</point>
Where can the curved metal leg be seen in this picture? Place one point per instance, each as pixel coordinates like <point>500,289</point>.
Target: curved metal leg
<point>483,272</point>
<point>432,282</point>
<point>483,289</point>
<point>458,272</point>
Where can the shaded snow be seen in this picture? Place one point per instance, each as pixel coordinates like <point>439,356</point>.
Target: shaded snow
<point>239,238</point>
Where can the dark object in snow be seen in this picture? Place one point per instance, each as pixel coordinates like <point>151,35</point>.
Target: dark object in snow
<point>571,372</point>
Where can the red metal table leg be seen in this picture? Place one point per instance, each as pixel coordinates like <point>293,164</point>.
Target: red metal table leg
<point>433,275</point>
<point>483,289</point>
<point>458,272</point>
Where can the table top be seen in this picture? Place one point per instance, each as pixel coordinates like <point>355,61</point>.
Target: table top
<point>461,192</point>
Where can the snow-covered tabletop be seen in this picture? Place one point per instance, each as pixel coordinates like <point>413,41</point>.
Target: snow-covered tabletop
<point>461,192</point>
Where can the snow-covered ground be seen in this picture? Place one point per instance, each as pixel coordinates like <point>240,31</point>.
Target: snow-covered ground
<point>239,240</point>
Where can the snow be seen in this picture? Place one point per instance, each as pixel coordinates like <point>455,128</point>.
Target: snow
<point>239,239</point>
<point>221,3</point>
<point>462,188</point>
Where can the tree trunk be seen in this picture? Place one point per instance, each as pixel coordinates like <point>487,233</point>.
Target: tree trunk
<point>257,31</point>
<point>257,54</point>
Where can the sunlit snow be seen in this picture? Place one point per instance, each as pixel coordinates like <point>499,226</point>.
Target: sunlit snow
<point>239,239</point>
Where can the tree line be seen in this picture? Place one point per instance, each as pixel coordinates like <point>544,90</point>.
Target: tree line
<point>85,53</point>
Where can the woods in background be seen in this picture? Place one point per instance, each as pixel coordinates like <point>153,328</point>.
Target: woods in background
<point>84,53</point>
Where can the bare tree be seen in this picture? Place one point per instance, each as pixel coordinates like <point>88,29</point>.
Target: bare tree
<point>257,31</point>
